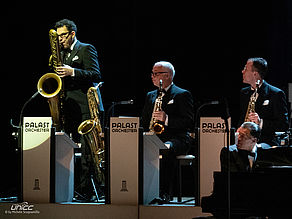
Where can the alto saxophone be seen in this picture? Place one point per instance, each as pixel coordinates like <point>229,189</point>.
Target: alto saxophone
<point>91,130</point>
<point>155,126</point>
<point>252,102</point>
<point>50,85</point>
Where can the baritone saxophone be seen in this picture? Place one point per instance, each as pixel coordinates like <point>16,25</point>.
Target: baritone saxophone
<point>50,85</point>
<point>91,130</point>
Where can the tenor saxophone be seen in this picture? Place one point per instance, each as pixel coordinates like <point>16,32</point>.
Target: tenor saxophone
<point>155,126</point>
<point>50,85</point>
<point>252,102</point>
<point>91,130</point>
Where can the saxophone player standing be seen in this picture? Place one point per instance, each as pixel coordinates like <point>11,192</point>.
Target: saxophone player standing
<point>79,72</point>
<point>271,112</point>
<point>177,116</point>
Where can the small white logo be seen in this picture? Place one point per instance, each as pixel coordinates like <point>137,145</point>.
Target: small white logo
<point>22,208</point>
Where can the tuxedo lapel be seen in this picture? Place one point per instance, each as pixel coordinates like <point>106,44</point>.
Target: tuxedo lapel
<point>263,95</point>
<point>154,96</point>
<point>63,54</point>
<point>73,54</point>
<point>167,97</point>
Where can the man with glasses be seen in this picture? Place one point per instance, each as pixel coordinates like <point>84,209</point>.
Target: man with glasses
<point>80,71</point>
<point>246,152</point>
<point>177,116</point>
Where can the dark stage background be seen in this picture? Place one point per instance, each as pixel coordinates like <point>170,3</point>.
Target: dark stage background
<point>208,42</point>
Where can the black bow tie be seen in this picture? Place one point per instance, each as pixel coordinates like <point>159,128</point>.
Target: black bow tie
<point>66,53</point>
<point>244,153</point>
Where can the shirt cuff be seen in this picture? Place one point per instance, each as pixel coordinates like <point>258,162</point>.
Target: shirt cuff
<point>166,120</point>
<point>73,73</point>
<point>261,123</point>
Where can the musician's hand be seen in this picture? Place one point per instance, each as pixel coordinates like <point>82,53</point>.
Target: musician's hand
<point>64,71</point>
<point>160,116</point>
<point>254,117</point>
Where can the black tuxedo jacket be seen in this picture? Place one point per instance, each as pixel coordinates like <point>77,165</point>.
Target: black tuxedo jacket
<point>239,158</point>
<point>83,58</point>
<point>178,105</point>
<point>271,106</point>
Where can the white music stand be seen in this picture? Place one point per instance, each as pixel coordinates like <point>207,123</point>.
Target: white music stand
<point>47,162</point>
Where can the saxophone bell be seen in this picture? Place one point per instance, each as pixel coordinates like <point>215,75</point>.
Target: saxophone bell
<point>86,126</point>
<point>49,85</point>
<point>158,128</point>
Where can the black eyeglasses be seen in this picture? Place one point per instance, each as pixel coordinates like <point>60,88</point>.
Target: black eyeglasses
<point>154,74</point>
<point>62,35</point>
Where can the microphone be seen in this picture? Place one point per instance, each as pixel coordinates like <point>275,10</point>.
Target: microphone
<point>125,102</point>
<point>35,94</point>
<point>225,109</point>
<point>214,102</point>
<point>25,104</point>
<point>110,111</point>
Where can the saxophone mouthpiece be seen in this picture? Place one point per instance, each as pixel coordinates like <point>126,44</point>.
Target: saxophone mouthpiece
<point>258,82</point>
<point>160,85</point>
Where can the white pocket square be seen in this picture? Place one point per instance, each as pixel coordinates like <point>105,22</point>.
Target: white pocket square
<point>266,102</point>
<point>170,102</point>
<point>75,58</point>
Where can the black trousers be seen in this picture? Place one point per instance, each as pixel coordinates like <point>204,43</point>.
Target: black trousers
<point>83,184</point>
<point>168,168</point>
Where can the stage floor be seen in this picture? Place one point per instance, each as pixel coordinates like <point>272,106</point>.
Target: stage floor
<point>99,211</point>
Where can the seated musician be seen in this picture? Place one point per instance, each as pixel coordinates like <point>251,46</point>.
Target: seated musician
<point>247,152</point>
<point>250,194</point>
<point>244,156</point>
<point>177,117</point>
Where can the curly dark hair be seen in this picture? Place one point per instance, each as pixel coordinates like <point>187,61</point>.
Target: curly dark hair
<point>71,26</point>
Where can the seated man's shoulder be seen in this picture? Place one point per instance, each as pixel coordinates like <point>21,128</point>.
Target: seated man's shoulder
<point>231,148</point>
<point>264,146</point>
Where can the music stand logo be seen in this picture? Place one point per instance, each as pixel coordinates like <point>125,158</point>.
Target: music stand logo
<point>124,127</point>
<point>124,186</point>
<point>36,184</point>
